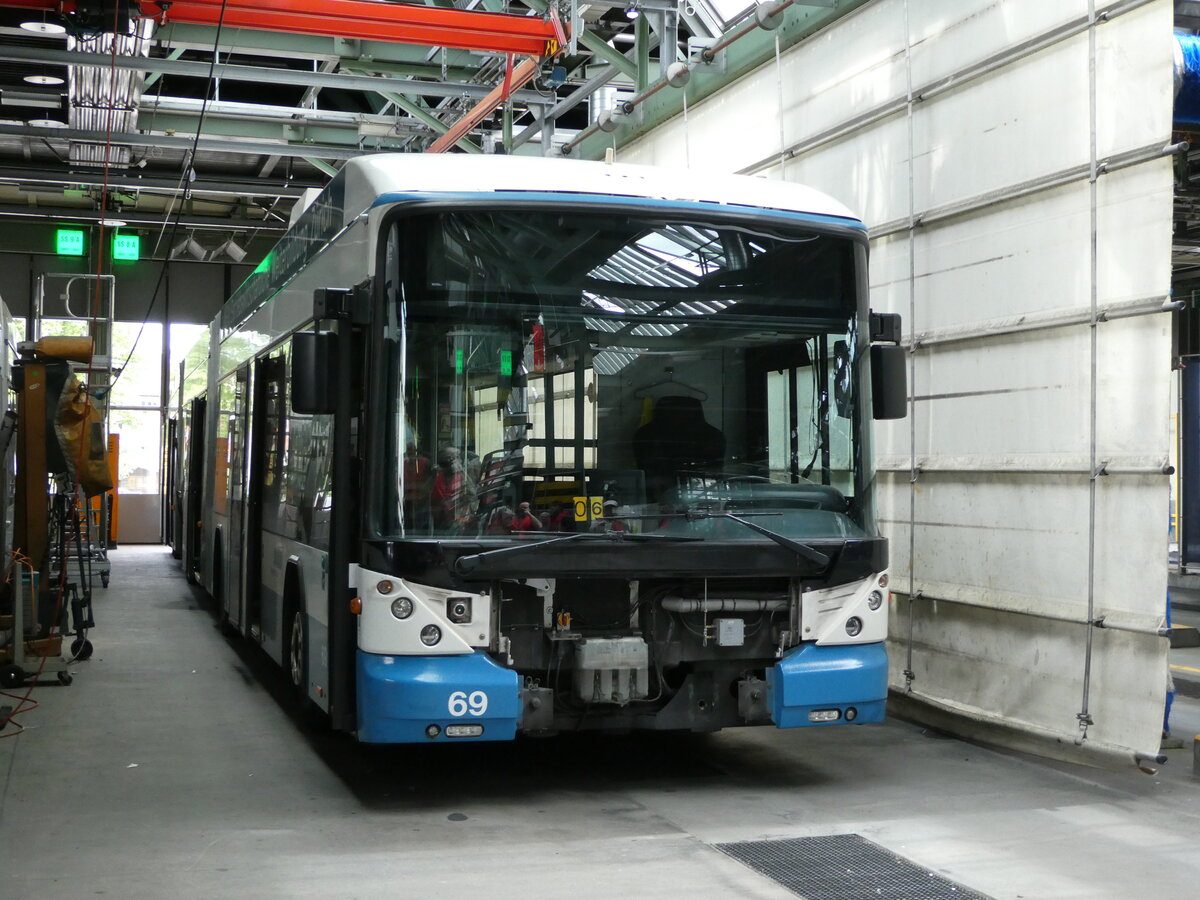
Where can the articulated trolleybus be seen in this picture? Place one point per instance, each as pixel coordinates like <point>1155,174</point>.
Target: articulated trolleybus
<point>496,445</point>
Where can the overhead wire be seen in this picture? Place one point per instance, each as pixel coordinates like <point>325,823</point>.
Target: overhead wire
<point>189,168</point>
<point>25,703</point>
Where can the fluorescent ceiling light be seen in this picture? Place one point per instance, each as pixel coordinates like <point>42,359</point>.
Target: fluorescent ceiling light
<point>44,27</point>
<point>191,247</point>
<point>230,249</point>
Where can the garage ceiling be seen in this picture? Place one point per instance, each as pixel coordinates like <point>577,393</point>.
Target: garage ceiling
<point>224,125</point>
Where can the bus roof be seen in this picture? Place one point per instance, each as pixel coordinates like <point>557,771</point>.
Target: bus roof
<point>369,180</point>
<point>391,173</point>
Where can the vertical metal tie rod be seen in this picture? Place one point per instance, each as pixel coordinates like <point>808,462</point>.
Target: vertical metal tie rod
<point>1084,716</point>
<point>914,469</point>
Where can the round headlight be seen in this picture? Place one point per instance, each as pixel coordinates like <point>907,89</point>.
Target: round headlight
<point>385,587</point>
<point>875,600</point>
<point>402,607</point>
<point>430,635</point>
<point>853,627</point>
<point>883,580</point>
<point>432,731</point>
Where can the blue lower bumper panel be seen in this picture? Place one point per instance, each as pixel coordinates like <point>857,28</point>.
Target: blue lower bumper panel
<point>464,698</point>
<point>810,679</point>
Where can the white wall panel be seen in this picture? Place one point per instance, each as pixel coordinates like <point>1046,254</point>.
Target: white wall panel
<point>1135,221</point>
<point>859,65</point>
<point>1136,98</point>
<point>949,37</point>
<point>871,168</point>
<point>981,138</point>
<point>997,533</point>
<point>1007,261</point>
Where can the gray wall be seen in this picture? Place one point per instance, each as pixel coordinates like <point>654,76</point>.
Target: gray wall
<point>190,291</point>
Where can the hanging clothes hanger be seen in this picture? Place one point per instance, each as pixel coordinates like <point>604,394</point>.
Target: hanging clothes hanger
<point>670,381</point>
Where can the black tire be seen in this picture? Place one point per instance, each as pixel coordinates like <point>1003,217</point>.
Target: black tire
<point>296,655</point>
<point>295,665</point>
<point>65,678</point>
<point>81,648</point>
<point>218,594</point>
<point>12,676</point>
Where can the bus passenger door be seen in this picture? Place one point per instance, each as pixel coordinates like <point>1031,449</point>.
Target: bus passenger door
<point>264,428</point>
<point>173,507</point>
<point>193,498</point>
<point>234,567</point>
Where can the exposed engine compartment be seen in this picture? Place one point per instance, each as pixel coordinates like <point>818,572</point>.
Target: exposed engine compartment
<point>629,648</point>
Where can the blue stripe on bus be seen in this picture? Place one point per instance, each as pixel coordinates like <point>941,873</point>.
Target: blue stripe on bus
<point>399,697</point>
<point>614,200</point>
<point>813,677</point>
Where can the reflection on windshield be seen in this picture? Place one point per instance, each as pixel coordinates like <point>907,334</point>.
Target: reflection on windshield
<point>557,373</point>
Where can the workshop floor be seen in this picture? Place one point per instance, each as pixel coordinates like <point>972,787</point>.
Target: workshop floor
<point>169,768</point>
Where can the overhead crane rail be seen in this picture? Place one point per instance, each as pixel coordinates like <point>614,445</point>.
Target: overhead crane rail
<point>400,23</point>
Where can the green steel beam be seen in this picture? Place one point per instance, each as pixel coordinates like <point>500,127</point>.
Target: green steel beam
<point>734,62</point>
<point>293,136</point>
<point>419,112</point>
<point>598,46</point>
<point>320,165</point>
<point>305,46</point>
<point>641,43</point>
<point>154,76</point>
<point>407,70</point>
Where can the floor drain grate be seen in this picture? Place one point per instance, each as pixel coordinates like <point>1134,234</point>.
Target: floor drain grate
<point>844,867</point>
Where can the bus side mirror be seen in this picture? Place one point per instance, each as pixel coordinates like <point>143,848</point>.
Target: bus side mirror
<point>889,381</point>
<point>314,372</point>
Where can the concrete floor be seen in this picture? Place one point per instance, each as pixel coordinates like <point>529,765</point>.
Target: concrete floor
<point>169,768</point>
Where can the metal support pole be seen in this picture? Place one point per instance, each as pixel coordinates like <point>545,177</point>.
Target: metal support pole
<point>1084,716</point>
<point>668,47</point>
<point>641,43</point>
<point>914,469</point>
<point>548,134</point>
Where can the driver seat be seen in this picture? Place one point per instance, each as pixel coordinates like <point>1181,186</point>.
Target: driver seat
<point>677,440</point>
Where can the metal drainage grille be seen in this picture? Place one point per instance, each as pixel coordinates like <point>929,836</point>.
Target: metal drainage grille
<point>843,867</point>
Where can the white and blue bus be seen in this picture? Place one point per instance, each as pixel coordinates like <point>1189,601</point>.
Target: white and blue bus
<point>500,445</point>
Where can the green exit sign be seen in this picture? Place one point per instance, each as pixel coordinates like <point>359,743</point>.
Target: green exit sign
<point>68,242</point>
<point>127,247</point>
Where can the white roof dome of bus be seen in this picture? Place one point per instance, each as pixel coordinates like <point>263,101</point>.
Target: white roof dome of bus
<point>385,173</point>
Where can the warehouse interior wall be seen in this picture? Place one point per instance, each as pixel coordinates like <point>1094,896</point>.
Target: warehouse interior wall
<point>1009,160</point>
<point>189,293</point>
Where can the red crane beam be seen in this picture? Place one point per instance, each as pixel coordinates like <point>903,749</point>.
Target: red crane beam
<point>514,79</point>
<point>399,23</point>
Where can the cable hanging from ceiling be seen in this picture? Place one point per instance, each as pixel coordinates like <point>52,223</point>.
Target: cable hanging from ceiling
<point>187,175</point>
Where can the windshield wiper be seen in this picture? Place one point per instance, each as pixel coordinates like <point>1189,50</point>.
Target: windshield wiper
<point>465,564</point>
<point>802,550</point>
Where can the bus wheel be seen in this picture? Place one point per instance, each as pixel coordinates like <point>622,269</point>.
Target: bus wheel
<point>296,662</point>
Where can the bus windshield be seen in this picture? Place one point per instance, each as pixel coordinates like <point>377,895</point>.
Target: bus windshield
<point>561,371</point>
